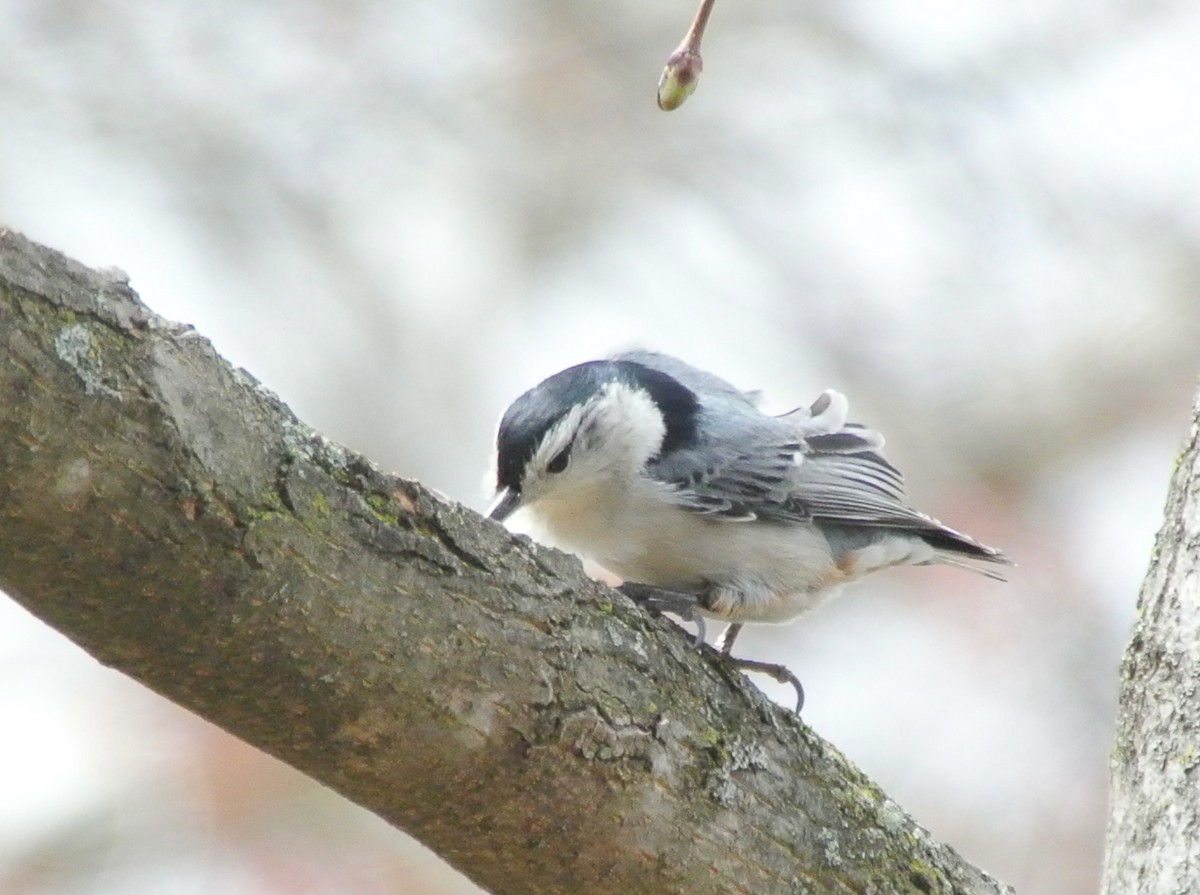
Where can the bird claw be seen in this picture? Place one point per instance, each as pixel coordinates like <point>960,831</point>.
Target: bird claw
<point>686,607</point>
<point>675,602</point>
<point>777,672</point>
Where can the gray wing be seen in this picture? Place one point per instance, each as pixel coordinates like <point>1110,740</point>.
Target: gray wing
<point>841,474</point>
<point>808,464</point>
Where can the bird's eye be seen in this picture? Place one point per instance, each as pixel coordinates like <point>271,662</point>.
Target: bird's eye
<point>559,462</point>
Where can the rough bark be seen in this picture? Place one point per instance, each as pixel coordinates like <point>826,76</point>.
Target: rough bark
<point>1153,843</point>
<point>536,729</point>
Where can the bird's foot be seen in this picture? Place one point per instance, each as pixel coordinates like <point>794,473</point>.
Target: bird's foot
<point>662,600</point>
<point>778,672</point>
<point>686,606</point>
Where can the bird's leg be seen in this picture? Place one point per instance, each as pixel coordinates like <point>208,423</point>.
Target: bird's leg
<point>676,602</point>
<point>778,672</point>
<point>725,642</point>
<point>686,606</point>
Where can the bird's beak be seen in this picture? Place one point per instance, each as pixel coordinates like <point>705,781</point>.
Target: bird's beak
<point>506,500</point>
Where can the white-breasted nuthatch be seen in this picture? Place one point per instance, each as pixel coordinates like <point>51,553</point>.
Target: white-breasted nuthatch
<point>674,480</point>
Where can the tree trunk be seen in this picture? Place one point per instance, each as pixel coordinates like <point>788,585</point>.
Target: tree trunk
<point>536,729</point>
<point>1154,820</point>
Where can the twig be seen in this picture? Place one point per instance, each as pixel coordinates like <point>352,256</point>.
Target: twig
<point>682,71</point>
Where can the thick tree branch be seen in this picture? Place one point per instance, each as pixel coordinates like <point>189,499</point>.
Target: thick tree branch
<point>1154,824</point>
<point>533,727</point>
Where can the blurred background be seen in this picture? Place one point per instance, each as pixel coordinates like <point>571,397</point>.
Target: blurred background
<point>979,219</point>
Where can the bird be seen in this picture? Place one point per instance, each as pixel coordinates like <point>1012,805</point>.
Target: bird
<point>675,481</point>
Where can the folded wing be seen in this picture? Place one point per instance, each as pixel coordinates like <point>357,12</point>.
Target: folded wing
<point>805,466</point>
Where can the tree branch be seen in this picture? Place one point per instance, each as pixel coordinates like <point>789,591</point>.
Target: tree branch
<point>1154,824</point>
<point>535,728</point>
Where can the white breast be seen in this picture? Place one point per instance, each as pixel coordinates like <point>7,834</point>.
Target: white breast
<point>750,571</point>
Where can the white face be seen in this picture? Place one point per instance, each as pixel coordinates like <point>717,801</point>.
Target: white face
<point>601,444</point>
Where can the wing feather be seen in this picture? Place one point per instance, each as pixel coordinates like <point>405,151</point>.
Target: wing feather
<point>811,464</point>
<point>807,465</point>
<point>801,466</point>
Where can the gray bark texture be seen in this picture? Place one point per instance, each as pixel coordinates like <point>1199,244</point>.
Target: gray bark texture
<point>1153,845</point>
<point>533,727</point>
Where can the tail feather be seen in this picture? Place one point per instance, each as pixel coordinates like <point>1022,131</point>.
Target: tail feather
<point>953,548</point>
<point>957,562</point>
